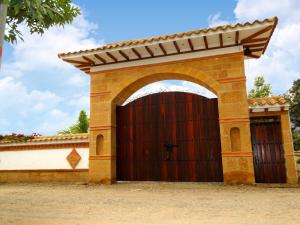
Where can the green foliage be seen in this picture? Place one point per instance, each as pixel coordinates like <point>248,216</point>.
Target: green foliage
<point>17,137</point>
<point>81,126</point>
<point>296,139</point>
<point>293,95</point>
<point>5,1</point>
<point>298,161</point>
<point>38,15</point>
<point>261,89</point>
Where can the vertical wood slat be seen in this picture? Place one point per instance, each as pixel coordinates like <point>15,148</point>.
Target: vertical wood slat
<point>268,153</point>
<point>187,120</point>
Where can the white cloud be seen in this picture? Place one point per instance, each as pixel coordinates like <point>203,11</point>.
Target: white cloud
<point>23,109</point>
<point>260,9</point>
<point>56,120</point>
<point>28,111</point>
<point>41,51</point>
<point>37,88</point>
<point>215,20</point>
<point>280,64</point>
<point>16,96</point>
<point>78,80</point>
<point>80,102</point>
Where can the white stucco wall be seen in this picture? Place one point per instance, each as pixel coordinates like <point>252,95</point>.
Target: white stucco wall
<point>42,159</point>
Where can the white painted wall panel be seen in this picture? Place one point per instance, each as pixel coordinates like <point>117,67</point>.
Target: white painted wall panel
<point>41,159</point>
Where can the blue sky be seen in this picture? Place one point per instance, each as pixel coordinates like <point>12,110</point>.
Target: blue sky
<point>40,93</point>
<point>122,20</point>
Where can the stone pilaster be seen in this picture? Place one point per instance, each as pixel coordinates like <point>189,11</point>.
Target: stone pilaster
<point>287,140</point>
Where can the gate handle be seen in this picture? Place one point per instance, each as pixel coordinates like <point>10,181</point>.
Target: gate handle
<point>169,147</point>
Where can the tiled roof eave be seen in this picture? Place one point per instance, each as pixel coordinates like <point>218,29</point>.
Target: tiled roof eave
<point>251,38</point>
<point>273,102</point>
<point>176,36</point>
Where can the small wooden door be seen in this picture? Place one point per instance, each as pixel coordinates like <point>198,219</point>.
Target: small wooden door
<point>170,136</point>
<point>268,153</point>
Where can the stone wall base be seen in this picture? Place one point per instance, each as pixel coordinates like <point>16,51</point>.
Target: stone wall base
<point>15,176</point>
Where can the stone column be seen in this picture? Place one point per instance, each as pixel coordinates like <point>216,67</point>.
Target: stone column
<point>291,171</point>
<point>102,158</point>
<point>237,157</point>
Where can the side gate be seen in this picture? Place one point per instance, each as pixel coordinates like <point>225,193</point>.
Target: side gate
<point>268,152</point>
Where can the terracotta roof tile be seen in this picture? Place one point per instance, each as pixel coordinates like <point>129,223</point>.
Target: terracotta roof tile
<point>82,136</point>
<point>169,36</point>
<point>267,101</point>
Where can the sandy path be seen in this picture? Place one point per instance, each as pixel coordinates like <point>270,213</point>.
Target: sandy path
<point>148,203</point>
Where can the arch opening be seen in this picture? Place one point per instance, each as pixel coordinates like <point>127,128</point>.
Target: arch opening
<point>194,76</point>
<point>170,86</point>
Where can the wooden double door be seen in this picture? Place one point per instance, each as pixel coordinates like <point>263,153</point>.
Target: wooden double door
<point>268,152</point>
<point>171,136</point>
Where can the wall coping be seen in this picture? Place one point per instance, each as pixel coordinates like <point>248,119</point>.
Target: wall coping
<point>50,140</point>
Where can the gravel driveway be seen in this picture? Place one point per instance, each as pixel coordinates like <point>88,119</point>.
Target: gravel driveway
<point>148,203</point>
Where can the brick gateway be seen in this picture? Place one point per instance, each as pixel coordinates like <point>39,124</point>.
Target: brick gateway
<point>213,58</point>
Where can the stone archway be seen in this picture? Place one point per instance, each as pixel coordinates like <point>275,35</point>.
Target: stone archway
<point>222,75</point>
<point>195,76</point>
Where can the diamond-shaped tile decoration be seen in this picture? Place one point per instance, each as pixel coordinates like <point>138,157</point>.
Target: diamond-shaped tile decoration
<point>73,158</point>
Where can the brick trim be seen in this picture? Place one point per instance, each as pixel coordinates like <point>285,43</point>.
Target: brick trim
<point>236,154</point>
<point>95,128</point>
<point>230,120</point>
<point>102,157</point>
<point>96,94</point>
<point>232,79</point>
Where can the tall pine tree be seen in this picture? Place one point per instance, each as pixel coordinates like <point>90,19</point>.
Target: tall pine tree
<point>81,126</point>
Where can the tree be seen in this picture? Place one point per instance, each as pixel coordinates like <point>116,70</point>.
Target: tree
<point>38,15</point>
<point>81,126</point>
<point>293,95</point>
<point>3,12</point>
<point>261,89</point>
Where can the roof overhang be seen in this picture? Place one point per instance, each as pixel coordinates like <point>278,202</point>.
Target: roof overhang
<point>268,104</point>
<point>250,38</point>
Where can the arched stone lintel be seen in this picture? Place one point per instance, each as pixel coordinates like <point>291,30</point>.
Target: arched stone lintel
<point>185,73</point>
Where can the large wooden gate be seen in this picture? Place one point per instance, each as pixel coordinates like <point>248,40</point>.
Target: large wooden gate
<point>268,153</point>
<point>171,136</point>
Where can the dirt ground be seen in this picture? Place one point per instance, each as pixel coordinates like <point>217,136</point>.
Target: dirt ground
<point>148,203</point>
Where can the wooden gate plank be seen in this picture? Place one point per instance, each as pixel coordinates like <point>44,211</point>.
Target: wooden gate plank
<point>268,153</point>
<point>190,121</point>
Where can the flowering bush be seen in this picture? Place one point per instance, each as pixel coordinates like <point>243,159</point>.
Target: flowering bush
<point>18,137</point>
